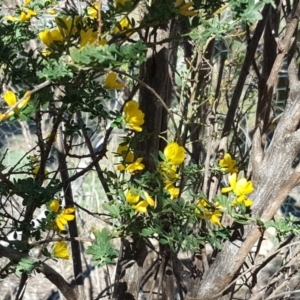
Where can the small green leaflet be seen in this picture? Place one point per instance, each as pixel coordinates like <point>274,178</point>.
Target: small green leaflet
<point>102,250</point>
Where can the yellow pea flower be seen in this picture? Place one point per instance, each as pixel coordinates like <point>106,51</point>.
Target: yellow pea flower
<point>167,172</point>
<point>135,166</point>
<point>174,154</point>
<point>11,99</point>
<point>93,10</point>
<point>149,199</point>
<point>52,11</point>
<point>134,117</point>
<point>11,18</point>
<point>211,213</point>
<point>111,82</point>
<point>54,205</point>
<point>123,25</point>
<point>88,37</point>
<point>27,14</point>
<point>142,206</point>
<point>127,155</point>
<point>69,22</point>
<point>60,250</point>
<point>238,187</point>
<point>64,215</point>
<point>228,164</point>
<point>49,36</point>
<point>172,190</point>
<point>242,199</point>
<point>132,196</point>
<point>241,188</point>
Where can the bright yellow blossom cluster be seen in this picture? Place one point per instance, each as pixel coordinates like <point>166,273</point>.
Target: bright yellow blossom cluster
<point>240,188</point>
<point>137,202</point>
<point>25,15</point>
<point>227,164</point>
<point>67,28</point>
<point>111,82</point>
<point>124,26</point>
<point>128,164</point>
<point>174,156</point>
<point>62,215</point>
<point>11,99</point>
<point>209,211</point>
<point>133,116</point>
<point>60,250</point>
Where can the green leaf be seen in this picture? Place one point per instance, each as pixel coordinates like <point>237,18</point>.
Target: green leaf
<point>112,208</point>
<point>26,265</point>
<point>163,241</point>
<point>147,232</point>
<point>102,250</point>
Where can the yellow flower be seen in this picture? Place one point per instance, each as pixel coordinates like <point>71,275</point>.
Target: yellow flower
<point>172,190</point>
<point>228,164</point>
<point>60,250</point>
<point>135,166</point>
<point>132,196</point>
<point>134,117</point>
<point>93,10</point>
<point>184,10</point>
<point>241,188</point>
<point>64,216</point>
<point>27,14</point>
<point>54,205</point>
<point>26,2</point>
<point>66,24</point>
<point>111,82</point>
<point>149,199</point>
<point>127,155</point>
<point>124,26</point>
<point>167,172</point>
<point>209,212</point>
<point>36,170</point>
<point>142,205</point>
<point>242,199</point>
<point>102,42</point>
<point>52,11</point>
<point>11,18</point>
<point>11,99</point>
<point>88,37</point>
<point>48,37</point>
<point>174,153</point>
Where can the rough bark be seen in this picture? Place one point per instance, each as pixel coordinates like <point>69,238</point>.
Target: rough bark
<point>273,181</point>
<point>274,175</point>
